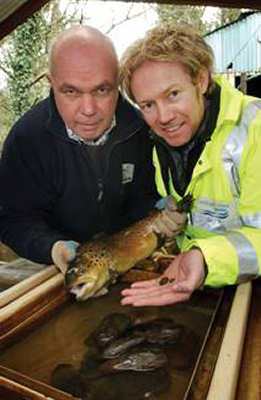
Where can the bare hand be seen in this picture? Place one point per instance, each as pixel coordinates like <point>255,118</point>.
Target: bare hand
<point>185,274</point>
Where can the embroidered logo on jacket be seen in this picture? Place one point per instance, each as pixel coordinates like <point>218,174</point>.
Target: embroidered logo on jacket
<point>127,173</point>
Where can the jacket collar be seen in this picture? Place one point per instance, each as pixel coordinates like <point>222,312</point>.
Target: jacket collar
<point>55,123</point>
<point>128,118</point>
<point>231,101</point>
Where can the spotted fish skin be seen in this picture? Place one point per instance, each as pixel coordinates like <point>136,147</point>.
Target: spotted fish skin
<point>99,262</point>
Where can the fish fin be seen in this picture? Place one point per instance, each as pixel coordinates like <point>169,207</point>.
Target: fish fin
<point>113,275</point>
<point>101,292</point>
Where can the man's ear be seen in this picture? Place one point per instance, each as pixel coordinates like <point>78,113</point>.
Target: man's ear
<point>203,80</point>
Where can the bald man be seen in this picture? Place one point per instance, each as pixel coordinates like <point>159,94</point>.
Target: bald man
<point>79,162</point>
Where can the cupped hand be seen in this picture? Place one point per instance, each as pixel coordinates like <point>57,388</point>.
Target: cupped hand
<point>185,274</point>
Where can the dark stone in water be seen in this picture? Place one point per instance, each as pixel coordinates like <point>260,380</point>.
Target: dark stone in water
<point>66,378</point>
<point>140,358</point>
<point>127,385</point>
<point>130,385</point>
<point>111,327</point>
<point>121,345</point>
<point>161,331</point>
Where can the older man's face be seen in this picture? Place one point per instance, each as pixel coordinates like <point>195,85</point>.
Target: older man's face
<point>170,102</point>
<point>86,91</point>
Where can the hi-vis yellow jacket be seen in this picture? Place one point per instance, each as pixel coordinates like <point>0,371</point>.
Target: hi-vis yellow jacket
<point>225,221</point>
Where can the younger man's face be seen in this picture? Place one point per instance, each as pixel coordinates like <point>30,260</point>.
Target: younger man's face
<point>170,102</point>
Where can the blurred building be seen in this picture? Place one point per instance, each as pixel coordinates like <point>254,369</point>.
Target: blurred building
<point>237,48</point>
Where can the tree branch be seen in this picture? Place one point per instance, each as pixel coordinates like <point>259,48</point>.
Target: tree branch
<point>128,17</point>
<point>5,71</point>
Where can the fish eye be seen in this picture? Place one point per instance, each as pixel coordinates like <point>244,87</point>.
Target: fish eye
<point>71,270</point>
<point>80,269</point>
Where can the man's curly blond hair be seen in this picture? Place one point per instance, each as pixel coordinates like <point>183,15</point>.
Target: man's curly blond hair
<point>168,42</point>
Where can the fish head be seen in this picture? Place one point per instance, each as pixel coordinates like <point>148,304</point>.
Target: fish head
<point>89,273</point>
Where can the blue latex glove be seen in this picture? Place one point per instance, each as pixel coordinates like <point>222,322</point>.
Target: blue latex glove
<point>63,252</point>
<point>161,203</point>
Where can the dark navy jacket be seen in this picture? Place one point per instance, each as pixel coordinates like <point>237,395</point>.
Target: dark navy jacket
<point>52,188</point>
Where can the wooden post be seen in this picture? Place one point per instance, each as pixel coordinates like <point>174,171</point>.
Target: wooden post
<point>224,382</point>
<point>243,82</point>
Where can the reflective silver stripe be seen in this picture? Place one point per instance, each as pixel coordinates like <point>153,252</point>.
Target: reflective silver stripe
<point>234,146</point>
<point>214,216</point>
<point>247,257</point>
<point>253,220</point>
<point>221,217</point>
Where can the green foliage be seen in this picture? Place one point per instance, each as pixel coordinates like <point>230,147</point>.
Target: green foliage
<point>23,53</point>
<point>193,15</point>
<point>26,59</point>
<point>184,14</point>
<point>5,120</point>
<point>227,15</point>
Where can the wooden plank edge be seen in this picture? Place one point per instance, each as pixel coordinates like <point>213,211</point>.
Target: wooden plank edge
<point>224,381</point>
<point>29,388</point>
<point>250,368</point>
<point>21,390</point>
<point>14,292</point>
<point>28,304</point>
<point>30,296</point>
<point>33,320</point>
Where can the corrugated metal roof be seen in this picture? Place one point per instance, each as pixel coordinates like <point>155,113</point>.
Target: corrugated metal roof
<point>242,16</point>
<point>237,46</point>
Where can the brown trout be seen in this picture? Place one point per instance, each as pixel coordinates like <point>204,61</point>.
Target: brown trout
<point>99,262</point>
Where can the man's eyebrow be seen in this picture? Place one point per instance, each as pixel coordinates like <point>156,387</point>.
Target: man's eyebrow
<point>170,88</point>
<point>105,83</point>
<point>143,102</point>
<point>65,85</point>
